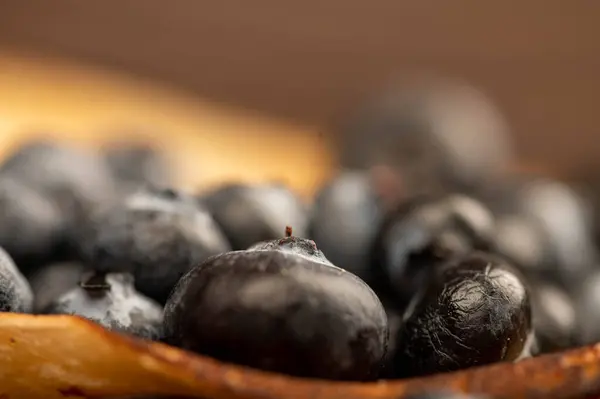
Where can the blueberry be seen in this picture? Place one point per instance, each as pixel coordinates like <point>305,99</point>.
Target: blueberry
<point>345,218</point>
<point>521,239</point>
<point>111,301</point>
<point>554,317</point>
<point>473,218</point>
<point>76,181</point>
<point>423,234</point>
<point>31,226</point>
<point>565,221</point>
<point>250,214</point>
<point>155,234</point>
<point>69,176</point>
<point>280,306</point>
<point>475,310</point>
<point>587,185</point>
<point>136,165</point>
<point>51,281</point>
<point>439,134</point>
<point>544,227</point>
<point>15,292</point>
<point>587,300</point>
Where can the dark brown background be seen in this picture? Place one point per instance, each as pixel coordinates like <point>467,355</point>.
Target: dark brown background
<point>311,60</point>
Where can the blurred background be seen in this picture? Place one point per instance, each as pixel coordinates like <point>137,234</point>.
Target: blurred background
<point>290,71</point>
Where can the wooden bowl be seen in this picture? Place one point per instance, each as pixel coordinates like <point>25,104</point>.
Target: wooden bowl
<point>64,356</point>
<point>51,357</point>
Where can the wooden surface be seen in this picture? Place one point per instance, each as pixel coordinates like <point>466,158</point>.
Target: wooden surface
<point>310,61</point>
<point>52,357</point>
<point>208,144</point>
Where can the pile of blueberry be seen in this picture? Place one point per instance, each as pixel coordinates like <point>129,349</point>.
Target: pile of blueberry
<point>422,255</point>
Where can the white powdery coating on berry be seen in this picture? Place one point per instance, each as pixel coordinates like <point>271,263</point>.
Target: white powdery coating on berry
<point>131,308</point>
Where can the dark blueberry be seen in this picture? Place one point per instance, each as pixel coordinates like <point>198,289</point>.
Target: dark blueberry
<point>30,225</point>
<point>345,218</point>
<point>554,317</point>
<point>545,228</point>
<point>280,306</point>
<point>520,239</point>
<point>566,223</point>
<point>112,301</point>
<point>157,235</point>
<point>76,181</point>
<point>250,214</point>
<point>587,185</point>
<point>51,281</point>
<point>135,165</point>
<point>587,302</point>
<point>424,233</point>
<point>474,311</point>
<point>439,134</point>
<point>15,292</point>
<point>69,176</point>
<point>473,218</point>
